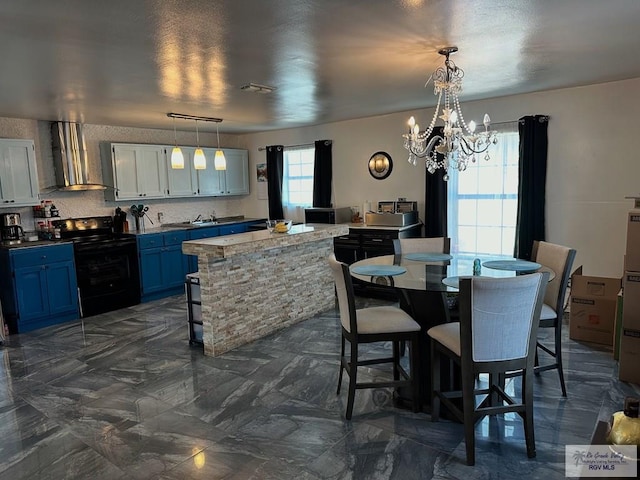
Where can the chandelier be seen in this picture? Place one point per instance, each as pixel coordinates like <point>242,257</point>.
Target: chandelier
<point>459,143</point>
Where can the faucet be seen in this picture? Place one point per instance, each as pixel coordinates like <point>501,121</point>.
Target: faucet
<point>198,218</point>
<point>213,215</point>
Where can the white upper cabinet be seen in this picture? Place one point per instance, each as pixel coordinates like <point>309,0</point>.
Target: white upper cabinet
<point>137,172</point>
<point>181,182</point>
<point>235,179</point>
<point>209,179</point>
<point>18,174</point>
<point>144,171</point>
<point>209,182</point>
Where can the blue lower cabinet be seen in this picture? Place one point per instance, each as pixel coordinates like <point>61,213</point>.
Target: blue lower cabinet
<point>235,228</point>
<point>162,265</point>
<point>41,290</point>
<point>198,234</point>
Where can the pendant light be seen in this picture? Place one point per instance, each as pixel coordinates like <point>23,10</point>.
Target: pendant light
<point>219,161</point>
<point>199,160</point>
<point>177,158</point>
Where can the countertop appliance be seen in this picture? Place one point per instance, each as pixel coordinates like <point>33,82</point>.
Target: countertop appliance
<point>11,230</point>
<point>394,213</point>
<point>327,215</point>
<point>397,206</point>
<point>106,264</point>
<point>391,219</point>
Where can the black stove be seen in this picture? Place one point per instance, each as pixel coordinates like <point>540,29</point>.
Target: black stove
<point>106,264</point>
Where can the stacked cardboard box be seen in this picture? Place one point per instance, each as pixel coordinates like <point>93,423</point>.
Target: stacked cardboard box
<point>630,335</point>
<point>593,308</point>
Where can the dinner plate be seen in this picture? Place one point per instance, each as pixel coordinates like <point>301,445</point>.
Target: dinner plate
<point>512,265</point>
<point>428,257</point>
<point>378,270</point>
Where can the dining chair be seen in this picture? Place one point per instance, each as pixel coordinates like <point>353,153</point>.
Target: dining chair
<point>370,325</point>
<point>402,246</point>
<point>496,334</point>
<point>559,259</point>
<point>421,245</point>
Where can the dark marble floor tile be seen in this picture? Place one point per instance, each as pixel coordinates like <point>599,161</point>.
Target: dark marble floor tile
<point>375,454</point>
<point>227,459</point>
<point>122,395</point>
<point>59,455</point>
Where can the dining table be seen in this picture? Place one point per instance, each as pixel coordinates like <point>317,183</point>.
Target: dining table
<point>427,286</point>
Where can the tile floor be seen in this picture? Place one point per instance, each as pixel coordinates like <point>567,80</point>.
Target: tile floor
<point>123,396</point>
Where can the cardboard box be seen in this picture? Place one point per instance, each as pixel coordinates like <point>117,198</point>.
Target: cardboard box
<point>632,258</point>
<point>628,370</point>
<point>631,308</point>
<point>593,308</point>
<point>617,329</point>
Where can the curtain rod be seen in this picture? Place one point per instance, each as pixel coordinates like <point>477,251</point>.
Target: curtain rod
<point>260,149</point>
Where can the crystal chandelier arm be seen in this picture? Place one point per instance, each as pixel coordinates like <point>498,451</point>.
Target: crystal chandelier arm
<point>478,143</point>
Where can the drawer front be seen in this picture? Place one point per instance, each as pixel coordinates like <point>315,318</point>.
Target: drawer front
<point>175,238</point>
<point>232,229</point>
<point>347,240</point>
<point>152,240</point>
<point>29,257</point>
<point>204,233</point>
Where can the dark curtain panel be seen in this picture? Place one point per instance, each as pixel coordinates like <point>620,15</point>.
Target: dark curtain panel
<point>322,174</point>
<point>435,200</point>
<point>532,177</point>
<point>275,159</point>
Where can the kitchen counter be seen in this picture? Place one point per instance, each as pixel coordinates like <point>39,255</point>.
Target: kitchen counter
<point>251,242</point>
<point>255,283</point>
<point>38,243</point>
<point>170,227</point>
<point>362,226</point>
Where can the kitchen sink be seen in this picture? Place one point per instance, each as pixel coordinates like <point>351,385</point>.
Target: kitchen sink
<point>196,223</point>
<point>204,223</point>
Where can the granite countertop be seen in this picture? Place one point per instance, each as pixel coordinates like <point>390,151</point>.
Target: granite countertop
<point>362,226</point>
<point>171,227</point>
<point>38,243</point>
<point>250,242</point>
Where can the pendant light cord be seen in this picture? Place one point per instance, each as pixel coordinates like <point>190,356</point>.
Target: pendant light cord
<point>175,136</point>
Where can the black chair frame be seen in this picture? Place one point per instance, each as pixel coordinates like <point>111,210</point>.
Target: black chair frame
<point>350,363</point>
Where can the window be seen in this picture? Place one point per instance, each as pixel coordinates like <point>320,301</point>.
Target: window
<point>483,200</point>
<point>297,181</point>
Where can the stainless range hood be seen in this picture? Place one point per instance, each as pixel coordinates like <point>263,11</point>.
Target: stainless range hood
<point>70,158</point>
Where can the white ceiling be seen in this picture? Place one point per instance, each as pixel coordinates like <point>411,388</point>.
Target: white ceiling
<point>129,62</point>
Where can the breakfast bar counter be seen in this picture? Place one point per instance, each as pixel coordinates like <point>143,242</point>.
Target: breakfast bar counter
<point>255,283</point>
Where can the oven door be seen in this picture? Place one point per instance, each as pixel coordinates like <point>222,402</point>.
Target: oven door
<point>108,275</point>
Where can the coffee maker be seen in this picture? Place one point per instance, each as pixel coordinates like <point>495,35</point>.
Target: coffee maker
<point>11,229</point>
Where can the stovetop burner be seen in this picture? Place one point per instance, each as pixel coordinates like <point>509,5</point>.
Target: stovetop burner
<point>85,228</point>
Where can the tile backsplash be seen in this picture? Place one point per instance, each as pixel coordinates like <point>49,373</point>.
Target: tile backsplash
<point>92,203</point>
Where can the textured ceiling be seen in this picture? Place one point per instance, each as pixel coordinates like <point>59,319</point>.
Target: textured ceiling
<point>129,62</point>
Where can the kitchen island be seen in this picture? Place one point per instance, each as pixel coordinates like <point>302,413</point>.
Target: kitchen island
<point>255,283</point>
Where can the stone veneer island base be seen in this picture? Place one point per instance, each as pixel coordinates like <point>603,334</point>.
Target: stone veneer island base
<point>253,284</point>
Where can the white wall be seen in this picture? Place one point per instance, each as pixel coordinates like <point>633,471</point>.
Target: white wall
<point>592,163</point>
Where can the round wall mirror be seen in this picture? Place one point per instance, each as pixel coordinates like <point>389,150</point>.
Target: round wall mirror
<point>380,165</point>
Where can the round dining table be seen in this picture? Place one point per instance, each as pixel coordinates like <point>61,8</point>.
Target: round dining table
<point>426,284</point>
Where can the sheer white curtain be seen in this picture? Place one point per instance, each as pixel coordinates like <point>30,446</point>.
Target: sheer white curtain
<point>297,182</point>
<point>483,200</point>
